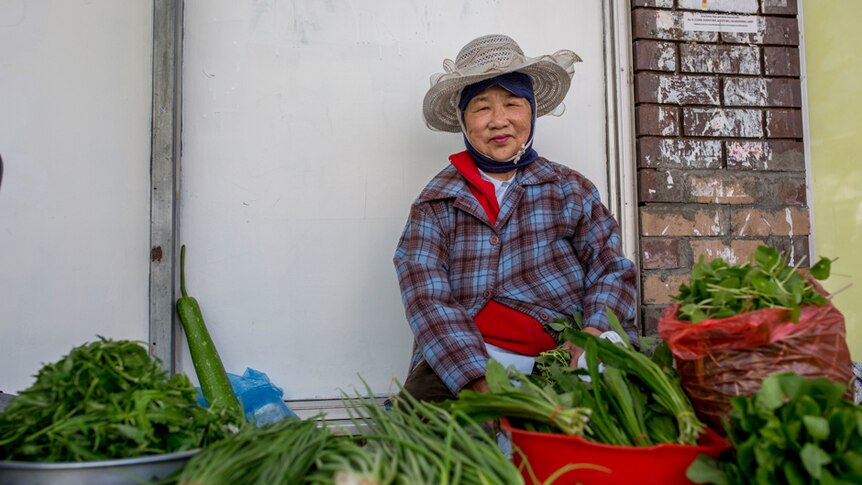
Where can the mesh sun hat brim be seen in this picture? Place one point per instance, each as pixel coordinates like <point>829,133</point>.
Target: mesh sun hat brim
<point>490,56</point>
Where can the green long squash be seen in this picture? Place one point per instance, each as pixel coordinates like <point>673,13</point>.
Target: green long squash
<point>208,365</point>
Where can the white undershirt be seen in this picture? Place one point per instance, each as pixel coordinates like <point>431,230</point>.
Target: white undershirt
<point>500,186</point>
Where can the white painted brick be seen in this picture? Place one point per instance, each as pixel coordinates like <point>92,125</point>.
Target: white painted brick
<point>742,152</point>
<point>745,92</point>
<point>743,123</point>
<point>688,90</point>
<point>720,59</point>
<point>692,154</point>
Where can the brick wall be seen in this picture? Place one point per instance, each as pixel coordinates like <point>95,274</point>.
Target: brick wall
<point>721,168</point>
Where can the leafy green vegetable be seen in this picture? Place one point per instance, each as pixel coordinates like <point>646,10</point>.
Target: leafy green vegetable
<point>718,289</point>
<point>283,452</point>
<point>794,430</point>
<point>105,400</point>
<point>526,400</point>
<point>428,443</point>
<point>413,443</point>
<point>635,401</point>
<point>663,388</point>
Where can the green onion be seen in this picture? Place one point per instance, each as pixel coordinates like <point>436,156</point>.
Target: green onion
<point>664,390</point>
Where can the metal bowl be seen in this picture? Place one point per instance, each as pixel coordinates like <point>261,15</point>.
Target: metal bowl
<point>131,471</point>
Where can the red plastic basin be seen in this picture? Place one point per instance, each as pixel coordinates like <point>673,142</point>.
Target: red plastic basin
<point>663,464</point>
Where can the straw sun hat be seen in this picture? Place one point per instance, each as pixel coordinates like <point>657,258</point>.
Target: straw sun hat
<point>489,56</point>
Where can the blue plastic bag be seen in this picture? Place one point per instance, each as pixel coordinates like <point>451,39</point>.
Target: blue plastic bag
<point>260,398</point>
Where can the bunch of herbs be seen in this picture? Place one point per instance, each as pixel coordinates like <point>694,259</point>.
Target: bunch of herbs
<point>105,400</point>
<point>793,430</point>
<point>719,289</point>
<point>631,400</point>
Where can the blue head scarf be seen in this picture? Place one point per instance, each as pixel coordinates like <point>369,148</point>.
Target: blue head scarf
<point>520,85</point>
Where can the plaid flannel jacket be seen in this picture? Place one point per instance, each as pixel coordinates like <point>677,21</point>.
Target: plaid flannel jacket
<point>553,251</point>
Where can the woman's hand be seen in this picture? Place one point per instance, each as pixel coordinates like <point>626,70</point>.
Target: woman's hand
<point>576,351</point>
<point>478,385</point>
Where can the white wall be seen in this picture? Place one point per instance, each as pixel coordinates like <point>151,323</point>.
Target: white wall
<point>75,81</point>
<point>303,146</point>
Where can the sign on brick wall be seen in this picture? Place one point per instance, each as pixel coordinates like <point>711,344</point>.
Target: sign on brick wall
<point>709,22</point>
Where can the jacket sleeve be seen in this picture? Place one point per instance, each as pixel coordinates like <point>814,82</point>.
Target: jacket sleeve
<point>444,330</point>
<point>611,278</point>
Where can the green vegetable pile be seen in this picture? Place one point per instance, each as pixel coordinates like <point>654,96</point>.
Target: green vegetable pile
<point>104,400</point>
<point>634,401</point>
<point>414,443</point>
<point>793,431</point>
<point>718,289</point>
<point>283,452</point>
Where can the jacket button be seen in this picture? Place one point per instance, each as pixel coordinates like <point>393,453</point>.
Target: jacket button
<point>494,240</point>
<point>487,293</point>
<point>544,317</point>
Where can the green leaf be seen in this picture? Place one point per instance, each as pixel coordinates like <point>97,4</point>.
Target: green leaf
<point>771,396</point>
<point>705,469</point>
<point>766,257</point>
<point>821,270</point>
<point>817,427</point>
<point>813,459</point>
<point>496,377</point>
<point>698,316</point>
<point>616,326</point>
<point>792,474</point>
<point>764,284</point>
<point>773,433</point>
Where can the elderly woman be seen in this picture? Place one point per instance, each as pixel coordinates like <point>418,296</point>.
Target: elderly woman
<point>503,241</point>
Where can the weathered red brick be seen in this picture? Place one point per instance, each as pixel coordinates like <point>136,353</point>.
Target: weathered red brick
<point>723,188</point>
<point>781,61</point>
<point>737,251</point>
<point>790,190</point>
<point>680,220</point>
<point>660,253</point>
<point>653,55</point>
<point>796,249</point>
<point>771,31</point>
<point>778,155</point>
<point>778,7</point>
<point>678,153</point>
<point>664,89</point>
<point>650,316</point>
<point>660,186</point>
<point>665,25</point>
<point>753,222</point>
<point>658,288</point>
<point>747,91</point>
<point>719,59</point>
<point>784,123</point>
<point>653,119</point>
<point>738,123</point>
<point>729,6</point>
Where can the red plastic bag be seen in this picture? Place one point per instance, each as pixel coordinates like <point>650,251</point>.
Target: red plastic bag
<point>723,358</point>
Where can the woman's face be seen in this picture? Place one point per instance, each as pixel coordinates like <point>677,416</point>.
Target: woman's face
<point>498,122</point>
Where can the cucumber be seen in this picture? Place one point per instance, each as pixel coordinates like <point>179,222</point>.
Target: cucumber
<point>208,365</point>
